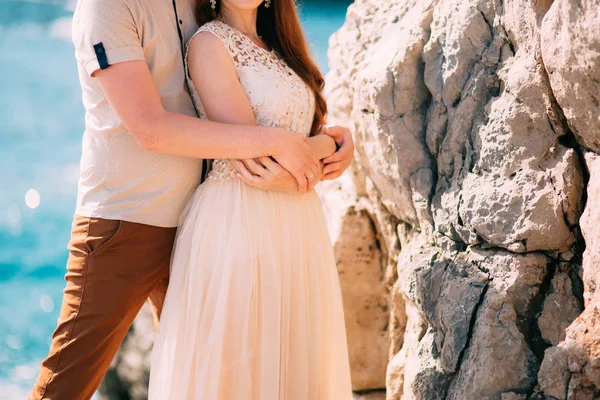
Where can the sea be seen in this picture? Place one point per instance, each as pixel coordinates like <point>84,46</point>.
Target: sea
<point>41,124</point>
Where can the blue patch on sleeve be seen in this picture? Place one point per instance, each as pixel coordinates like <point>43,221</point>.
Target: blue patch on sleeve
<point>101,55</point>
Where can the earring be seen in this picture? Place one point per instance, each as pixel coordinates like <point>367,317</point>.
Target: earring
<point>213,4</point>
<point>267,3</point>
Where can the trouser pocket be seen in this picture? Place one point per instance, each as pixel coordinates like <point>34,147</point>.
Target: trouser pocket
<point>93,235</point>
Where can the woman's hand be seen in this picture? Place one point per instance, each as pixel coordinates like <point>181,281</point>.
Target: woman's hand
<point>295,156</point>
<point>266,174</point>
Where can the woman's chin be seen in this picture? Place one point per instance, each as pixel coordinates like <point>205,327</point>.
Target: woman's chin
<point>242,4</point>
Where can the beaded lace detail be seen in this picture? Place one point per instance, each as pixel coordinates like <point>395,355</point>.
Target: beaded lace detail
<point>277,94</point>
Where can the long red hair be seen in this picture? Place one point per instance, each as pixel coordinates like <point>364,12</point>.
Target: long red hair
<point>280,28</point>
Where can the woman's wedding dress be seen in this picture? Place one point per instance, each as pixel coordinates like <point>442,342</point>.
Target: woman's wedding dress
<point>254,309</point>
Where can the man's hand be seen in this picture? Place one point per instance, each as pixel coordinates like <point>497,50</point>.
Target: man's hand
<point>266,174</point>
<point>337,163</point>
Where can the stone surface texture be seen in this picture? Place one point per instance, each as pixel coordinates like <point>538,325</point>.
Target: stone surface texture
<point>477,131</point>
<point>467,231</point>
<point>571,52</point>
<point>366,308</point>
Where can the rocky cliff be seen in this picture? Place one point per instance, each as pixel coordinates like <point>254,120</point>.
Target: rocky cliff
<point>469,244</point>
<point>467,234</point>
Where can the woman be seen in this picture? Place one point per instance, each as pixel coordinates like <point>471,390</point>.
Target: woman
<point>253,309</point>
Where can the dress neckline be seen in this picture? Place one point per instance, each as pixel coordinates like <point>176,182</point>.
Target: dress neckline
<point>246,37</point>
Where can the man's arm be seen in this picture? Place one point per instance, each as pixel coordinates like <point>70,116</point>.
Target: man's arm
<point>106,31</point>
<point>131,91</point>
<point>268,175</point>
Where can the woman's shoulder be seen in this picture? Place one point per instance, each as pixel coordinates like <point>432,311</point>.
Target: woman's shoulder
<point>214,28</point>
<point>211,25</point>
<point>210,37</point>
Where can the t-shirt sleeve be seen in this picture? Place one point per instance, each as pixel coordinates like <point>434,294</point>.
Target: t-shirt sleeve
<point>105,33</point>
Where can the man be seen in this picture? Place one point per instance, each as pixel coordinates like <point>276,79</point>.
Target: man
<point>142,158</point>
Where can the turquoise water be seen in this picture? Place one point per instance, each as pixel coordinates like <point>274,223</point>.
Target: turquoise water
<point>41,122</point>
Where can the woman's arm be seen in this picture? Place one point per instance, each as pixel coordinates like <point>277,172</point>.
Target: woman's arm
<point>225,100</point>
<point>221,93</point>
<point>215,79</point>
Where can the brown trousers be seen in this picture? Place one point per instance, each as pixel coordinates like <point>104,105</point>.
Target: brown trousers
<point>113,267</point>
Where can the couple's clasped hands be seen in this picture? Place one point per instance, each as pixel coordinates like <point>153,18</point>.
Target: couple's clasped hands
<point>298,167</point>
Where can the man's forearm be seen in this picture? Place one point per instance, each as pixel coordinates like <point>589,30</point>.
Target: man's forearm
<point>186,136</point>
<point>131,91</point>
<point>322,145</point>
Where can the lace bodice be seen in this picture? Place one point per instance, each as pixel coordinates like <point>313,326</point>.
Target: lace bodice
<point>277,94</point>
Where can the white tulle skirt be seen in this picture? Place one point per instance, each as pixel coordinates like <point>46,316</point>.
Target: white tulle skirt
<point>253,310</point>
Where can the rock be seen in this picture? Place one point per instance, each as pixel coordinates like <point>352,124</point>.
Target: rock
<point>571,370</point>
<point>337,196</point>
<point>570,43</point>
<point>449,293</point>
<point>496,211</point>
<point>582,341</point>
<point>591,229</point>
<point>398,320</point>
<point>395,376</point>
<point>560,310</point>
<point>499,358</point>
<point>361,260</point>
<point>554,373</point>
<point>512,396</point>
<point>403,367</point>
<point>375,64</point>
<point>430,381</point>
<point>365,298</point>
<point>372,395</point>
<point>518,276</point>
<point>583,349</point>
<point>490,190</point>
<point>496,186</point>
